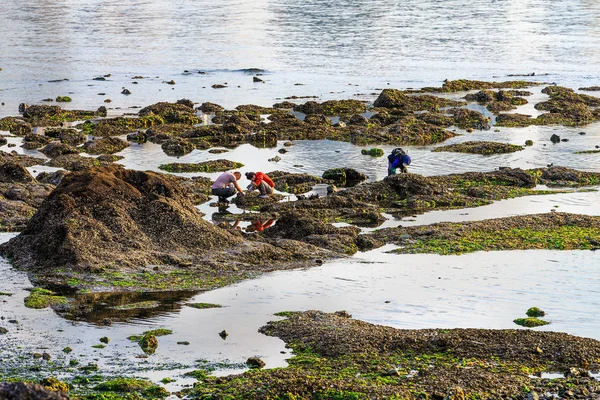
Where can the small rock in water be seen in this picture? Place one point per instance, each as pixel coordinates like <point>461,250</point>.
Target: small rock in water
<point>255,362</point>
<point>223,334</point>
<point>125,91</point>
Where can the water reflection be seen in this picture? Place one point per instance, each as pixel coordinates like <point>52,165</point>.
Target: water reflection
<point>105,308</point>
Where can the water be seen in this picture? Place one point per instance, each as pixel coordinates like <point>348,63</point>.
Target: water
<point>332,50</point>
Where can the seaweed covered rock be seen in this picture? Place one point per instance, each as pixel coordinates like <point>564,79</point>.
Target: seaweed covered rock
<point>69,136</point>
<point>302,226</point>
<point>105,145</point>
<point>75,162</point>
<point>56,149</point>
<point>34,141</point>
<point>29,391</point>
<point>205,166</point>
<point>484,148</point>
<point>394,98</point>
<point>177,147</point>
<point>344,176</point>
<point>16,126</point>
<point>294,183</point>
<point>179,112</point>
<point>11,172</point>
<point>332,107</point>
<point>111,218</point>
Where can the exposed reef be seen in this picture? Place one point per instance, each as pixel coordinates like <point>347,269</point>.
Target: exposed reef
<point>337,357</point>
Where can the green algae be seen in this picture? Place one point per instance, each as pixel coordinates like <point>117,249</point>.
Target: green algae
<point>206,166</point>
<point>42,298</point>
<point>138,306</point>
<point>63,99</point>
<point>531,322</point>
<point>204,305</point>
<point>535,312</point>
<point>523,238</point>
<point>374,152</point>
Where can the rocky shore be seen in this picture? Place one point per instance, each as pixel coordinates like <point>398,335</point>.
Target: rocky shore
<point>97,227</point>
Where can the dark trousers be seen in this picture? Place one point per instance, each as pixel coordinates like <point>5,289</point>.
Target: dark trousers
<point>224,192</point>
<point>264,188</point>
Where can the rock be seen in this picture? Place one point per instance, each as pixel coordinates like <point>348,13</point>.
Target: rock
<point>555,138</point>
<point>255,362</point>
<point>3,331</point>
<point>344,176</point>
<point>106,145</point>
<point>126,92</point>
<point>126,205</point>
<point>46,356</point>
<point>210,107</point>
<point>529,143</point>
<point>10,171</point>
<point>256,79</point>
<point>223,334</point>
<point>282,151</point>
<point>275,159</point>
<point>149,343</point>
<point>28,391</point>
<point>105,339</point>
<point>535,312</point>
<point>177,147</point>
<point>56,149</point>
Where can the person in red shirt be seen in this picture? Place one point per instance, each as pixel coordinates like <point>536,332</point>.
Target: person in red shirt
<point>262,182</point>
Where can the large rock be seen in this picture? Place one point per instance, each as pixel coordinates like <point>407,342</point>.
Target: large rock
<point>106,218</point>
<point>28,391</point>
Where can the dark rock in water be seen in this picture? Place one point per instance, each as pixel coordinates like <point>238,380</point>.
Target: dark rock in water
<point>256,79</point>
<point>126,91</point>
<point>28,391</point>
<point>109,158</point>
<point>344,175</point>
<point>223,334</point>
<point>56,149</point>
<point>149,343</point>
<point>302,226</point>
<point>33,141</point>
<point>15,126</point>
<point>112,218</point>
<point>75,162</point>
<point>175,113</point>
<point>106,145</point>
<point>69,136</point>
<point>255,362</point>
<point>13,172</point>
<point>177,147</point>
<point>210,107</point>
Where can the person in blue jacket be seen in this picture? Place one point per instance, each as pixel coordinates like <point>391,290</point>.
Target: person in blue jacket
<point>398,159</point>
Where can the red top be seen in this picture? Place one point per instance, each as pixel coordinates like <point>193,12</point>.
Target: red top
<point>259,177</point>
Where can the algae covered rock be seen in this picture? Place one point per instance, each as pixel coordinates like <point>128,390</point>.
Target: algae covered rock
<point>530,322</point>
<point>374,152</point>
<point>149,343</point>
<point>106,145</point>
<point>484,148</point>
<point>535,312</point>
<point>42,298</point>
<point>107,218</point>
<point>344,175</point>
<point>206,166</point>
<point>26,390</point>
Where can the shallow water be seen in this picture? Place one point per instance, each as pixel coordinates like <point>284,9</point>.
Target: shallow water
<point>337,49</point>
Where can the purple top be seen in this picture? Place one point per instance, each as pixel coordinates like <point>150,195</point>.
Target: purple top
<point>224,180</point>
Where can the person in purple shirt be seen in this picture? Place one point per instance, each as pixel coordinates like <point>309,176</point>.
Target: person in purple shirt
<point>227,185</point>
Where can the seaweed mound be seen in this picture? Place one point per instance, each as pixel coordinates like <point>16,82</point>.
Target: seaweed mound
<point>107,218</point>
